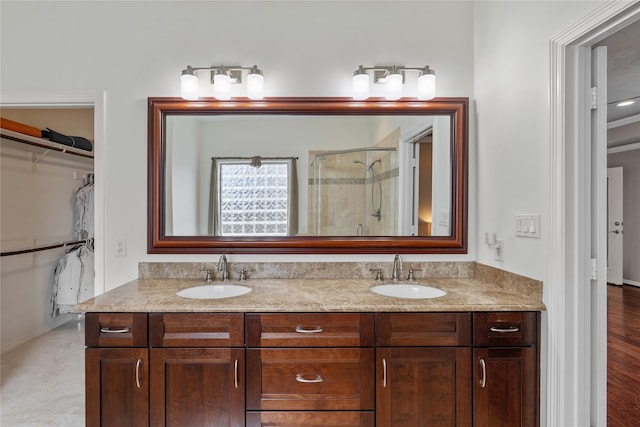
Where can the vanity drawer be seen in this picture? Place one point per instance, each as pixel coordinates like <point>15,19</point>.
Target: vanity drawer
<point>310,379</point>
<point>505,328</point>
<point>311,419</point>
<point>116,330</point>
<point>310,330</point>
<point>196,330</point>
<point>423,329</point>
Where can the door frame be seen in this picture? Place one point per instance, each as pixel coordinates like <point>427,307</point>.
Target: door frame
<point>575,362</point>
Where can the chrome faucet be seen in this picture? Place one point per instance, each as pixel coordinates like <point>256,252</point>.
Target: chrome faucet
<point>222,266</point>
<point>397,267</point>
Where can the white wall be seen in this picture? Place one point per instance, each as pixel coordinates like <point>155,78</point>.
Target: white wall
<point>133,50</point>
<point>512,70</point>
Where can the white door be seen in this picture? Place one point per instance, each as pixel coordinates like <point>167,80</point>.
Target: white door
<point>614,224</point>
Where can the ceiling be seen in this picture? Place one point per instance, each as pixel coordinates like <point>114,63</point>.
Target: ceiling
<point>623,82</point>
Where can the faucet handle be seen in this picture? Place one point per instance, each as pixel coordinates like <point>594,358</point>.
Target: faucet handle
<point>378,272</point>
<point>208,277</point>
<point>411,274</point>
<point>243,275</point>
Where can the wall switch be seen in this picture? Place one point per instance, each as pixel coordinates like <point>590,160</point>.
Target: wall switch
<point>443,218</point>
<point>528,225</point>
<point>121,247</point>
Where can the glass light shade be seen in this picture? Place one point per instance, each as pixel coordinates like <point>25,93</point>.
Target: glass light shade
<point>393,86</point>
<point>189,86</point>
<point>426,86</point>
<point>360,84</point>
<point>255,86</point>
<point>222,86</point>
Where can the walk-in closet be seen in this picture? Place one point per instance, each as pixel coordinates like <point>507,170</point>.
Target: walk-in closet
<point>47,215</point>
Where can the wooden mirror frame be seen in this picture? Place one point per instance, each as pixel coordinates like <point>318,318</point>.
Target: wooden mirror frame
<point>158,242</point>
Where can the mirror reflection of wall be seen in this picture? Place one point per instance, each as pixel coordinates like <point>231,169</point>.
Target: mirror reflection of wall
<point>192,141</point>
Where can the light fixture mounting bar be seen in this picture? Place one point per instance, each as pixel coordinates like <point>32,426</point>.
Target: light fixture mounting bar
<point>233,71</point>
<point>379,76</point>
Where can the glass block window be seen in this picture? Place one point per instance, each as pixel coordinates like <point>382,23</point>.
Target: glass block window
<point>253,197</point>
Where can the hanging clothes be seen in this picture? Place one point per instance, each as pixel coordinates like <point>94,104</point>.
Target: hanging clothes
<point>84,210</point>
<point>73,278</point>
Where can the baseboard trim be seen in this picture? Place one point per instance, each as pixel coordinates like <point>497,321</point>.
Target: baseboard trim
<point>631,282</point>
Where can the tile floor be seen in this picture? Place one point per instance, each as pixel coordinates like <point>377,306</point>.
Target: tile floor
<point>42,380</point>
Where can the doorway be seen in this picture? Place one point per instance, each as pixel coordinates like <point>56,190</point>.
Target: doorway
<point>577,250</point>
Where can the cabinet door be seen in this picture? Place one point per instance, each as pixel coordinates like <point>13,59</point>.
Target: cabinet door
<point>117,387</point>
<point>197,387</point>
<point>505,390</point>
<point>421,386</point>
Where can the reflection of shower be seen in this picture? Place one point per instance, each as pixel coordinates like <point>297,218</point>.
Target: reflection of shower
<point>378,212</point>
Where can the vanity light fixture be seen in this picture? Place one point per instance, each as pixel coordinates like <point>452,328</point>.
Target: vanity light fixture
<point>393,78</point>
<point>222,77</point>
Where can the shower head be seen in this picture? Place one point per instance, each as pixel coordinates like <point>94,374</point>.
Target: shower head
<point>365,165</point>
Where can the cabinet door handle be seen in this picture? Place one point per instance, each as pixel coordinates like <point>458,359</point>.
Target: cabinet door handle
<point>504,330</point>
<point>138,365</point>
<point>301,379</point>
<point>384,372</point>
<point>301,329</point>
<point>114,331</point>
<point>483,379</point>
<point>235,374</point>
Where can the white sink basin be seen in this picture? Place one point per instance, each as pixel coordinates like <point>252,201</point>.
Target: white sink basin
<point>213,291</point>
<point>408,290</point>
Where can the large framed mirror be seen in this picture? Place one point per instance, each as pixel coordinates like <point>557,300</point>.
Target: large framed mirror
<point>307,175</point>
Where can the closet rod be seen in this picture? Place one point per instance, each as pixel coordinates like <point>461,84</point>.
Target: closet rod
<point>45,248</point>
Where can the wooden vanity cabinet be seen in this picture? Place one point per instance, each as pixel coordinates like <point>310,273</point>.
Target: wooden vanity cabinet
<point>116,370</point>
<point>197,369</point>
<point>311,369</point>
<point>423,369</point>
<point>476,369</point>
<point>506,369</point>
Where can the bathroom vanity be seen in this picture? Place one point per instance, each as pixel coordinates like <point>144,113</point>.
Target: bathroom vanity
<point>313,352</point>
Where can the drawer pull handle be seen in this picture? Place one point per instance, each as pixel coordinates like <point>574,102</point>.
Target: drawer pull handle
<point>138,365</point>
<point>384,372</point>
<point>316,330</point>
<point>504,330</point>
<point>235,374</point>
<point>301,379</point>
<point>114,331</point>
<point>483,379</point>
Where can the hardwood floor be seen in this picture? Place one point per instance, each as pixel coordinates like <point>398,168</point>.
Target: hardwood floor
<point>623,360</point>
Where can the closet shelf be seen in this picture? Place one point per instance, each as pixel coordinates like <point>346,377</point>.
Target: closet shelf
<point>43,143</point>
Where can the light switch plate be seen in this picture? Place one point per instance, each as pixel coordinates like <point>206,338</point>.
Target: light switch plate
<point>121,247</point>
<point>528,225</point>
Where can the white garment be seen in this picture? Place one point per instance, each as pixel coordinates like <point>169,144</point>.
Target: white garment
<point>88,273</point>
<point>84,208</point>
<point>73,280</point>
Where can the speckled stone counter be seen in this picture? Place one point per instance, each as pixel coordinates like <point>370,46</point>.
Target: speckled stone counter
<point>480,288</point>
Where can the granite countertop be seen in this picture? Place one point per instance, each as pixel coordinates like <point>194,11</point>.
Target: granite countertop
<point>315,295</point>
